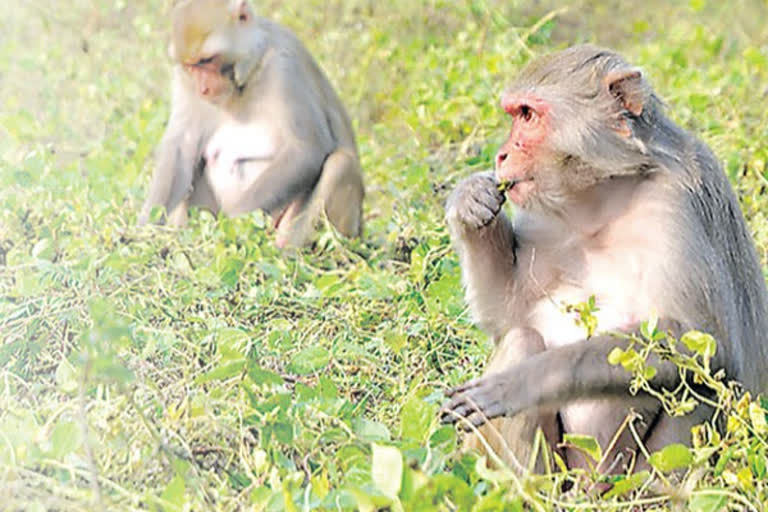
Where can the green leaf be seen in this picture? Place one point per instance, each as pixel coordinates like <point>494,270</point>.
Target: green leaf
<point>174,493</point>
<point>65,438</point>
<point>671,457</point>
<point>707,500</point>
<point>627,485</point>
<point>415,419</point>
<point>616,356</point>
<point>586,444</point>
<point>231,344</point>
<point>757,417</point>
<point>700,343</point>
<point>225,371</point>
<point>387,469</point>
<point>261,376</point>
<point>395,341</point>
<point>309,360</point>
<point>66,376</point>
<point>369,430</point>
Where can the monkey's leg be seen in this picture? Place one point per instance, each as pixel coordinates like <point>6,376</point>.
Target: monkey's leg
<point>178,217</point>
<point>339,192</point>
<point>512,439</point>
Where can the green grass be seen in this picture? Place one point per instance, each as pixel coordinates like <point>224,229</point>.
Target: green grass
<point>201,369</point>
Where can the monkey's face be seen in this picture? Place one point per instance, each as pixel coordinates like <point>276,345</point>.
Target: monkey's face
<point>208,41</point>
<point>212,77</point>
<point>516,160</point>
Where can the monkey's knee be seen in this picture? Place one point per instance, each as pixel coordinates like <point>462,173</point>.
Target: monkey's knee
<point>517,345</point>
<point>178,217</point>
<point>341,191</point>
<point>511,441</point>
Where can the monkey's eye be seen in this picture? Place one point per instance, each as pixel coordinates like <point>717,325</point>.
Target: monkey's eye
<point>203,62</point>
<point>527,113</point>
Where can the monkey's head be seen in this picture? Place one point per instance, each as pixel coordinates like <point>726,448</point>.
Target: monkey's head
<point>578,118</point>
<point>210,41</point>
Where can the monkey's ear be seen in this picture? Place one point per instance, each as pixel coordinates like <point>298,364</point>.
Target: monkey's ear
<point>626,85</point>
<point>244,13</point>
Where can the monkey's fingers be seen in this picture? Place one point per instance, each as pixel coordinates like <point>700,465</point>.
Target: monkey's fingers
<point>470,384</point>
<point>467,413</point>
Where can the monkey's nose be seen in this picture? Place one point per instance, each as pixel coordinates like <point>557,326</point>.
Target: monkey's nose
<point>500,157</point>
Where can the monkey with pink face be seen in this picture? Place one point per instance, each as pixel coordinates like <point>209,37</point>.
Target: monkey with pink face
<point>611,199</point>
<point>254,125</point>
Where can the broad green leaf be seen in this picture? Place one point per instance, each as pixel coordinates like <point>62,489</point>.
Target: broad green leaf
<point>627,485</point>
<point>231,344</point>
<point>65,438</point>
<point>225,371</point>
<point>415,419</point>
<point>395,341</point>
<point>707,500</point>
<point>700,343</point>
<point>369,430</point>
<point>66,376</point>
<point>671,457</point>
<point>263,376</point>
<point>387,469</point>
<point>309,360</point>
<point>174,493</point>
<point>616,356</point>
<point>757,417</point>
<point>586,444</point>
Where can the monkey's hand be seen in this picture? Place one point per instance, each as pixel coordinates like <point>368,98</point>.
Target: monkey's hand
<point>475,202</point>
<point>485,398</point>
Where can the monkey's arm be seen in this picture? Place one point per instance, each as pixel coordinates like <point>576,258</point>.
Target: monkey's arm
<point>293,173</point>
<point>172,179</point>
<point>177,156</point>
<point>577,371</point>
<point>485,242</point>
<point>288,100</point>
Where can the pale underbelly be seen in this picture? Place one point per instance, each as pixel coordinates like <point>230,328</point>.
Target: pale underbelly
<point>231,180</point>
<point>616,311</point>
<point>236,156</point>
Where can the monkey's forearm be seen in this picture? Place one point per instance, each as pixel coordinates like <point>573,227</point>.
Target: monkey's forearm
<point>172,181</point>
<point>572,372</point>
<point>292,174</point>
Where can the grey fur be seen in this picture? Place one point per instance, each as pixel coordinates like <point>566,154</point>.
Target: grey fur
<point>275,82</point>
<point>696,257</point>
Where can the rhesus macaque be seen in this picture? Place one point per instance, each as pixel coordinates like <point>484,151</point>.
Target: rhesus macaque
<point>254,124</point>
<point>611,199</point>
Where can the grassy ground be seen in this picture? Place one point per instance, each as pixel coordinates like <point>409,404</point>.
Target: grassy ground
<point>201,369</point>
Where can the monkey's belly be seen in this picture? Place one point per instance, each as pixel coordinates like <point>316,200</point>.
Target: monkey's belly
<point>230,180</point>
<point>236,156</point>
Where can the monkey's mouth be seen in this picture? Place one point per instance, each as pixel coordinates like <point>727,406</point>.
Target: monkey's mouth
<point>507,185</point>
<point>517,190</point>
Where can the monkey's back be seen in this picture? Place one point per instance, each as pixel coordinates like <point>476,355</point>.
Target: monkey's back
<point>284,40</point>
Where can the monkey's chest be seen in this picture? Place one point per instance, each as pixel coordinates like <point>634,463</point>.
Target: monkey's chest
<point>236,155</point>
<point>619,285</point>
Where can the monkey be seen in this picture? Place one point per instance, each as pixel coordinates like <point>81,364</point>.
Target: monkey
<point>254,125</point>
<point>611,199</point>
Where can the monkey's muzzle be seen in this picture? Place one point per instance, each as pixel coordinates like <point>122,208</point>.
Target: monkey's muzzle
<point>507,185</point>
